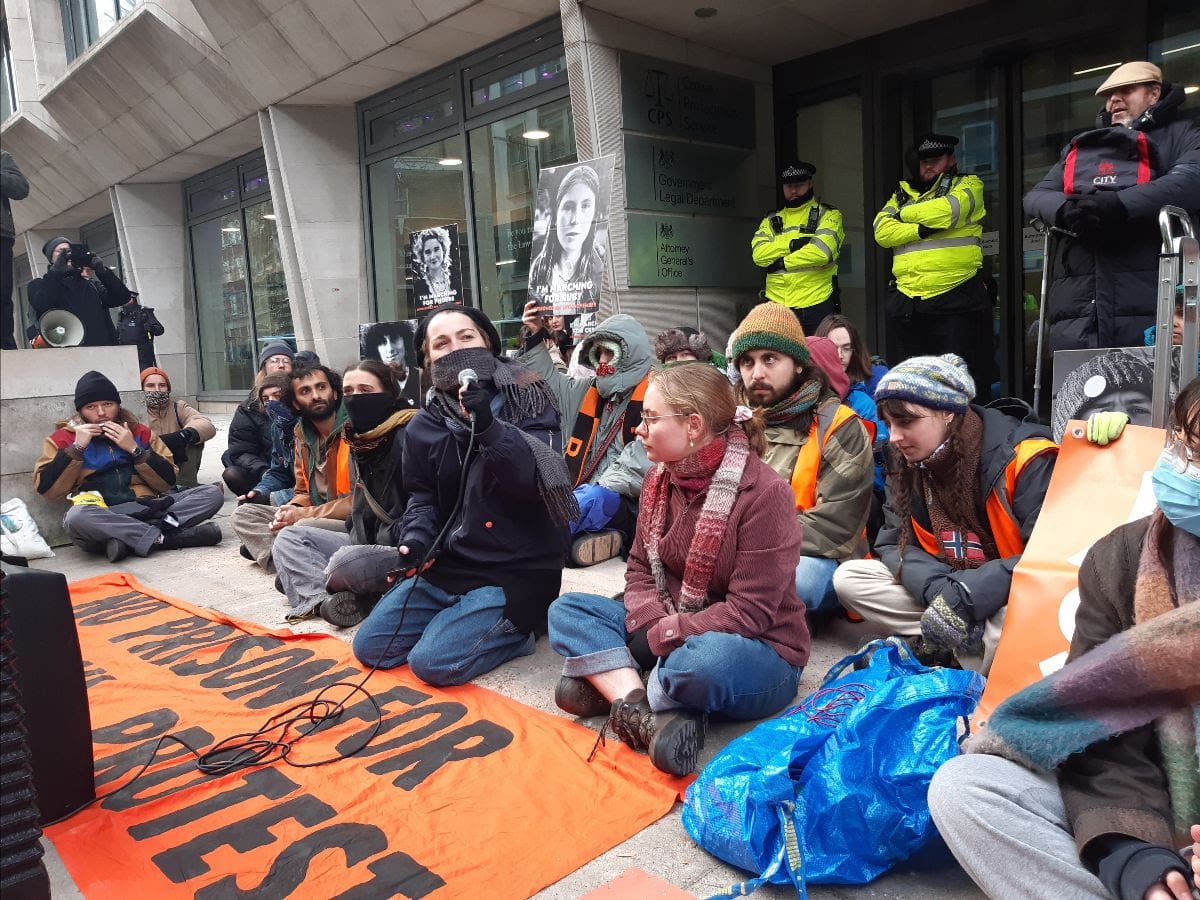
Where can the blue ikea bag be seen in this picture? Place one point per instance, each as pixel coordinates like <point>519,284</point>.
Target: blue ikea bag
<point>833,791</point>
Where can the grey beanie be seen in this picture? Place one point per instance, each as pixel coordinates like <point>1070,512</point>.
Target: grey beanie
<point>275,348</point>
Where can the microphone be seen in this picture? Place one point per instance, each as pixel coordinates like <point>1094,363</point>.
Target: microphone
<point>467,377</point>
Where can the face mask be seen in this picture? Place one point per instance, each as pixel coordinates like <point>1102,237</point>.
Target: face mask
<point>368,411</point>
<point>279,412</point>
<point>1178,493</point>
<point>157,399</point>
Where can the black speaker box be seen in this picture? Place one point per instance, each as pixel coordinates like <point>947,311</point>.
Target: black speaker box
<point>49,677</point>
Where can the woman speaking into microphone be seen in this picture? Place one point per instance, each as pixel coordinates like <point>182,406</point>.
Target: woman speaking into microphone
<point>491,426</point>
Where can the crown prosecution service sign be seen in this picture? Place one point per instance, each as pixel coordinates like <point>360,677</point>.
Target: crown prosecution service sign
<point>678,101</point>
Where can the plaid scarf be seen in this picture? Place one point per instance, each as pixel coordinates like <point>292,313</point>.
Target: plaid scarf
<point>719,466</point>
<point>1146,674</point>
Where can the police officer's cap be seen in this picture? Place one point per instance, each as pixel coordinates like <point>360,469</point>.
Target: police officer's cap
<point>796,172</point>
<point>931,146</point>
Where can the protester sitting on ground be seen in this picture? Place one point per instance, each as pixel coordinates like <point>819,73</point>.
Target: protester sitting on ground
<point>322,469</point>
<point>278,484</point>
<point>860,367</point>
<point>599,418</point>
<point>814,442</point>
<point>120,476</point>
<point>709,612</point>
<point>490,580</point>
<point>684,343</point>
<point>181,427</point>
<point>341,575</point>
<point>249,452</point>
<point>963,496</point>
<point>1104,790</point>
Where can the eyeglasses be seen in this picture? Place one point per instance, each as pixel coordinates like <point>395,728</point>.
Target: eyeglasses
<point>1181,454</point>
<point>650,420</point>
<point>279,360</point>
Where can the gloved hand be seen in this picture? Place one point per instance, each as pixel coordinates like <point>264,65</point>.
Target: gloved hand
<point>797,243</point>
<point>638,645</point>
<point>191,435</point>
<point>1105,427</point>
<point>97,264</point>
<point>777,266</point>
<point>176,442</point>
<point>1094,215</point>
<point>411,553</point>
<point>943,625</point>
<point>924,231</point>
<point>776,223</point>
<point>478,400</point>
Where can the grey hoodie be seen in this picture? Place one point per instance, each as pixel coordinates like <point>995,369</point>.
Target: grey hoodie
<point>623,467</point>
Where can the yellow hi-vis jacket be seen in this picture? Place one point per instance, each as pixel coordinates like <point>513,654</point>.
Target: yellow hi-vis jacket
<point>803,277</point>
<point>930,266</point>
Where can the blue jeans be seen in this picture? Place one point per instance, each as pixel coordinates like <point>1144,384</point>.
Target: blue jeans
<point>445,639</point>
<point>716,672</point>
<point>814,582</point>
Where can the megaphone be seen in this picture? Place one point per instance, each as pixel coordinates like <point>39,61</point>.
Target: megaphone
<point>60,328</point>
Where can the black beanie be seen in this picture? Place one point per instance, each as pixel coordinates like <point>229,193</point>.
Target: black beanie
<point>92,387</point>
<point>48,247</point>
<point>486,328</point>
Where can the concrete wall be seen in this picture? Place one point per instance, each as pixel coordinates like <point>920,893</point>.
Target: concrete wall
<point>593,41</point>
<point>37,389</point>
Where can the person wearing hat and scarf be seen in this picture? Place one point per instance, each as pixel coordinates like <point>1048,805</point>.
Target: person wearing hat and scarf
<point>68,287</point>
<point>483,590</point>
<point>249,455</point>
<point>119,475</point>
<point>798,247</point>
<point>181,427</point>
<point>339,575</point>
<point>817,445</point>
<point>1092,772</point>
<point>1106,191</point>
<point>963,494</point>
<point>709,612</point>
<point>938,301</point>
<point>600,414</point>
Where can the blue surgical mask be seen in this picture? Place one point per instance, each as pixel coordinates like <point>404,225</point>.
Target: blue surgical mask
<point>1178,493</point>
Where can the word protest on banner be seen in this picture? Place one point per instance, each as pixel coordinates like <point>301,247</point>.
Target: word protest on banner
<point>1093,490</point>
<point>570,237</point>
<point>461,793</point>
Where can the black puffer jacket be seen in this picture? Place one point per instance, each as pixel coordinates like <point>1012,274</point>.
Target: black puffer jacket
<point>89,300</point>
<point>249,438</point>
<point>1103,294</point>
<point>504,535</point>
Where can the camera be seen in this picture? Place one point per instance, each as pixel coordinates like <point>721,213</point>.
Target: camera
<point>79,256</point>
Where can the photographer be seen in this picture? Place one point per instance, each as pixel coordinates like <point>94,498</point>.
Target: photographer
<point>68,285</point>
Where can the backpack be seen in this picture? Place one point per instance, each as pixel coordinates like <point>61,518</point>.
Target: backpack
<point>1107,159</point>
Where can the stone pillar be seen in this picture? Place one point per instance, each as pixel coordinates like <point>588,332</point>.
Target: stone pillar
<point>312,163</point>
<point>152,232</point>
<point>39,55</point>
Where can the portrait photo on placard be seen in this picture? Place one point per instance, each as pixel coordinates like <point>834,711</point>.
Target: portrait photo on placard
<point>393,343</point>
<point>570,237</point>
<point>435,266</point>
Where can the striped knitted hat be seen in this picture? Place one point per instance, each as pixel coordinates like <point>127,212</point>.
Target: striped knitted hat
<point>936,382</point>
<point>771,326</point>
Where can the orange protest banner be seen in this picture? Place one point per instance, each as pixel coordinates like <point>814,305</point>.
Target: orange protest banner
<point>1093,490</point>
<point>463,792</point>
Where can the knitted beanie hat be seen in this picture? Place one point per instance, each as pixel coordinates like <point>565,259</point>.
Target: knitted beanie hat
<point>275,348</point>
<point>825,355</point>
<point>92,387</point>
<point>154,370</point>
<point>48,247</point>
<point>482,322</point>
<point>937,382</point>
<point>682,340</point>
<point>771,326</point>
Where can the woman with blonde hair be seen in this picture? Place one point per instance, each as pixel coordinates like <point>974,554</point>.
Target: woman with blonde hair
<point>710,612</point>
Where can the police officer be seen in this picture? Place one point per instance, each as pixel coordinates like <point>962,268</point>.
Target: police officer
<point>938,301</point>
<point>798,246</point>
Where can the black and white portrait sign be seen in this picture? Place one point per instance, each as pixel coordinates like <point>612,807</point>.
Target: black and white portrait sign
<point>570,236</point>
<point>393,343</point>
<point>435,266</point>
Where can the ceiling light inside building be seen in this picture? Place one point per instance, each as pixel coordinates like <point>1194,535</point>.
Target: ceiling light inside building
<point>1180,49</point>
<point>535,134</point>
<point>450,161</point>
<point>232,229</point>
<point>1191,88</point>
<point>505,262</point>
<point>1097,69</point>
<point>270,217</point>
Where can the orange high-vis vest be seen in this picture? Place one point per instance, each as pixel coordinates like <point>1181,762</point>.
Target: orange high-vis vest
<point>808,462</point>
<point>579,444</point>
<point>1006,530</point>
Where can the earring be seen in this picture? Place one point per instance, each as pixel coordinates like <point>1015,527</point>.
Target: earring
<point>691,445</point>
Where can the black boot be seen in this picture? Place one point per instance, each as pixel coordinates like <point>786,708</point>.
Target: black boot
<point>115,550</point>
<point>345,609</point>
<point>578,697</point>
<point>206,535</point>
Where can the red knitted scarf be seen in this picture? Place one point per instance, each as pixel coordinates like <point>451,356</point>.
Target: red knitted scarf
<point>718,466</point>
